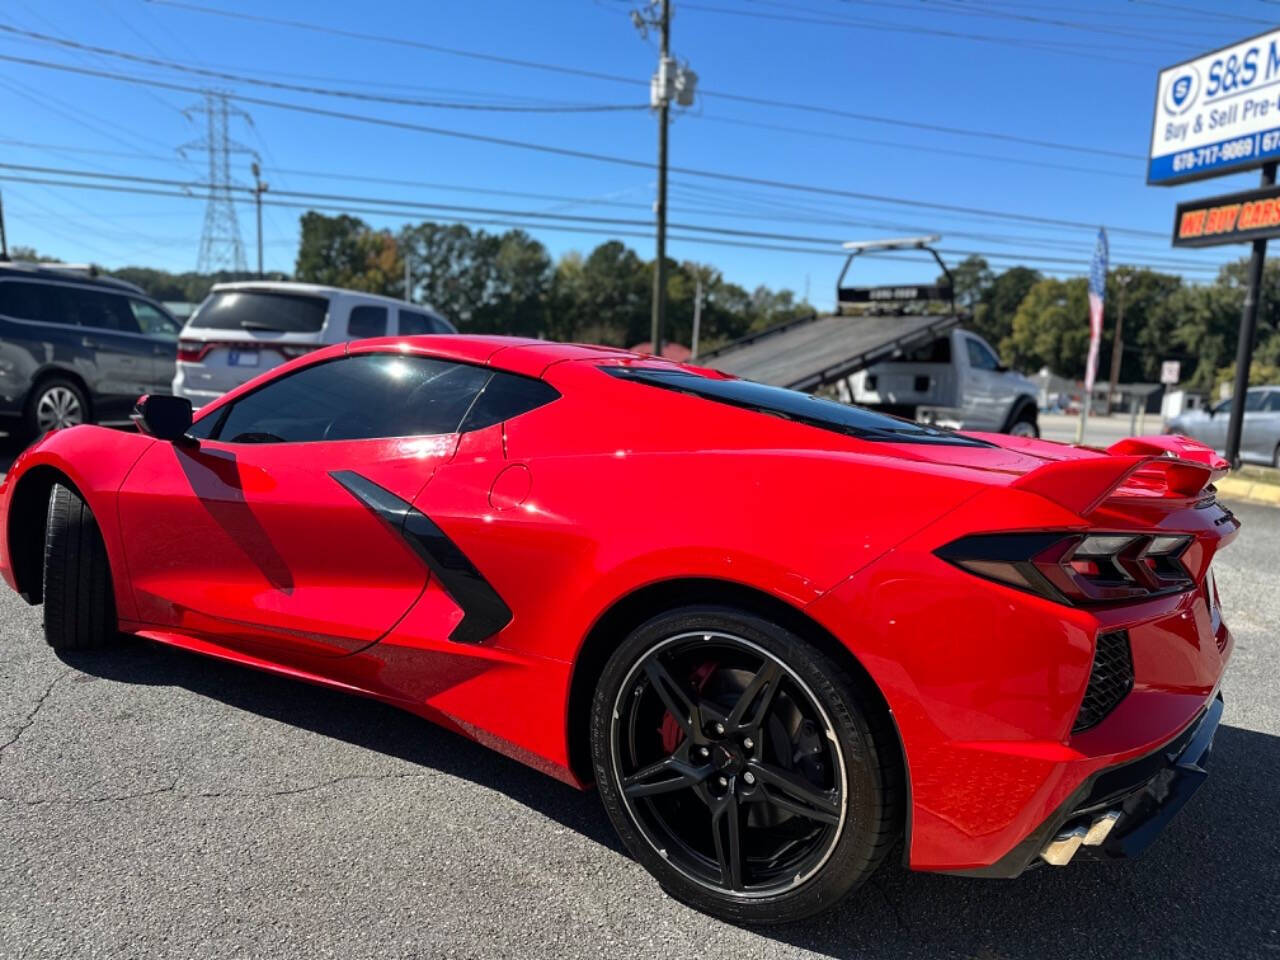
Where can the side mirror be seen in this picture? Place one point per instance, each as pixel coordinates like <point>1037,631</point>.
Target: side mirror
<point>165,418</point>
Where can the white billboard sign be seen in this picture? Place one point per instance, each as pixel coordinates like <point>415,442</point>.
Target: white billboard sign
<point>1219,113</point>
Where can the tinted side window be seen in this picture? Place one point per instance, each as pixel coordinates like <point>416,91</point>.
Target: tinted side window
<point>980,358</point>
<point>793,405</point>
<point>95,308</point>
<point>507,395</point>
<point>354,398</point>
<point>367,322</point>
<point>26,301</point>
<point>1273,402</point>
<point>1253,401</point>
<point>153,321</point>
<point>413,323</point>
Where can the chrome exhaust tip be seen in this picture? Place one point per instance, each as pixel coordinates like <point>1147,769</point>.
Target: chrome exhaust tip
<point>1059,851</point>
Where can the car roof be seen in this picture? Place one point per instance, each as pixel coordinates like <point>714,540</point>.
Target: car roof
<point>523,355</point>
<point>68,273</point>
<point>317,289</point>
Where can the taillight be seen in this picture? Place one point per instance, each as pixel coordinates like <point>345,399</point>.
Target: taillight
<point>1079,569</point>
<point>192,351</point>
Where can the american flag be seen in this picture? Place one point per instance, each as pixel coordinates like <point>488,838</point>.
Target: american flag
<point>1097,294</point>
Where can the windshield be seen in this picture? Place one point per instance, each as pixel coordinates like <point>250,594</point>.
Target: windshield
<point>261,310</point>
<point>793,405</point>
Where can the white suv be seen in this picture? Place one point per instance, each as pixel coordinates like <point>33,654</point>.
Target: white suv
<point>242,329</point>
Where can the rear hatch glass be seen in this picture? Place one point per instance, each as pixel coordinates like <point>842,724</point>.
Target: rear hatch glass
<point>254,310</point>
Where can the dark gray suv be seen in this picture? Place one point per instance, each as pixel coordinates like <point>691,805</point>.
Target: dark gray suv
<point>76,348</point>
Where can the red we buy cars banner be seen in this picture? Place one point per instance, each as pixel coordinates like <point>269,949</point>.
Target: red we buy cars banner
<point>1232,218</point>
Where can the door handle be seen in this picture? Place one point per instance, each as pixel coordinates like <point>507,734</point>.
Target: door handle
<point>90,343</point>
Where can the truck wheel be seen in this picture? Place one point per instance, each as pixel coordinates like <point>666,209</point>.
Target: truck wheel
<point>79,606</point>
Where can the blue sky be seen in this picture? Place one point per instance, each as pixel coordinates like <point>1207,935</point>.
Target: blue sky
<point>1075,74</point>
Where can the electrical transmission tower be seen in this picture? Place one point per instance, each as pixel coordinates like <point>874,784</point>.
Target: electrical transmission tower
<point>220,245</point>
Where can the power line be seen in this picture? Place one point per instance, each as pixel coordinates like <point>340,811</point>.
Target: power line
<point>928,127</point>
<point>589,230</point>
<point>1046,46</point>
<point>400,206</point>
<point>582,154</point>
<point>403,42</point>
<point>568,108</point>
<point>400,202</point>
<point>315,90</point>
<point>1206,13</point>
<point>827,135</point>
<point>779,210</point>
<point>947,8</point>
<point>617,78</point>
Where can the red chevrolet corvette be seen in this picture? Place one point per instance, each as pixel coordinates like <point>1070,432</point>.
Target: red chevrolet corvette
<point>778,633</point>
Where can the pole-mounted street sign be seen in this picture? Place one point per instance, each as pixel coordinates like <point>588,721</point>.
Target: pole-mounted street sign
<point>1218,113</point>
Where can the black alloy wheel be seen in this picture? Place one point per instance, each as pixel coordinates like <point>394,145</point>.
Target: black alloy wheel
<point>749,789</point>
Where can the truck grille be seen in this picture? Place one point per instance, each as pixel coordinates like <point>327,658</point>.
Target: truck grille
<point>1109,682</point>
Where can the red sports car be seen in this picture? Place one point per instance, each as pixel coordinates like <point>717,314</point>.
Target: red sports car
<point>779,634</point>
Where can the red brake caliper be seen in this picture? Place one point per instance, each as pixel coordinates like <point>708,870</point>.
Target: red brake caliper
<point>670,730</point>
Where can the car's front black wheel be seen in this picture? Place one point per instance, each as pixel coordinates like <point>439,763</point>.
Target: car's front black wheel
<point>79,606</point>
<point>752,775</point>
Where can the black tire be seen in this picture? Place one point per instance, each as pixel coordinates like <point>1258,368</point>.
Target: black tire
<point>860,741</point>
<point>1027,421</point>
<point>61,389</point>
<point>79,607</point>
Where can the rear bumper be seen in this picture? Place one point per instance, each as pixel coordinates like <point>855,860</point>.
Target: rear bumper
<point>1136,800</point>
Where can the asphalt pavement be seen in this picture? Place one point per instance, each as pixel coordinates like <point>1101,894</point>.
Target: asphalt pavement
<point>153,803</point>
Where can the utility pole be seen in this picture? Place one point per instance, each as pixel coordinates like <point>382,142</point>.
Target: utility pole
<point>1117,340</point>
<point>259,188</point>
<point>673,80</point>
<point>664,112</point>
<point>697,316</point>
<point>4,241</point>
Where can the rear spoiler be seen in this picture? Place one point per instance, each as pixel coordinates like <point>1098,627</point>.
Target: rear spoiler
<point>1164,467</point>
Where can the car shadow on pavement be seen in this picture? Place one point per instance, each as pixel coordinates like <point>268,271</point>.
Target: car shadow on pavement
<point>1207,887</point>
<point>352,719</point>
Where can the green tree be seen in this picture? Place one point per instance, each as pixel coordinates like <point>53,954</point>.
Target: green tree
<point>344,251</point>
<point>1146,332</point>
<point>519,285</point>
<point>993,313</point>
<point>971,278</point>
<point>1051,328</point>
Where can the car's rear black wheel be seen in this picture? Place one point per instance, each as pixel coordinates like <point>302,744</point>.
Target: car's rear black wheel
<point>747,771</point>
<point>79,607</point>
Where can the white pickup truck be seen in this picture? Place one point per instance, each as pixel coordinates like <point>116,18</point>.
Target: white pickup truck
<point>954,381</point>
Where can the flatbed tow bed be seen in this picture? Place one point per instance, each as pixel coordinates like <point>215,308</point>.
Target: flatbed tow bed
<point>815,351</point>
<point>812,352</point>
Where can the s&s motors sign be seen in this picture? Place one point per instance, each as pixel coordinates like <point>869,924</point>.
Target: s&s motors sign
<point>1219,113</point>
